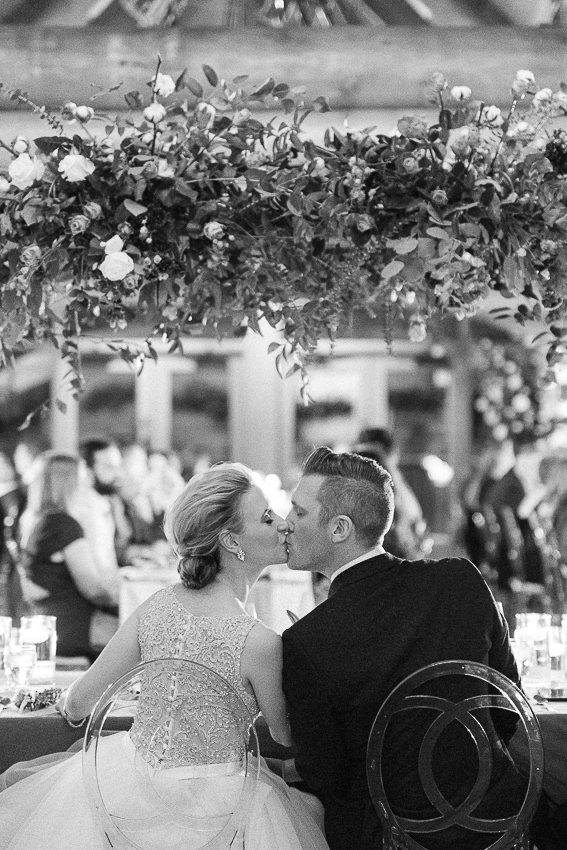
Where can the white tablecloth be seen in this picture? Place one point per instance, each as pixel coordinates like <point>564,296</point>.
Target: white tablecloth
<point>278,590</point>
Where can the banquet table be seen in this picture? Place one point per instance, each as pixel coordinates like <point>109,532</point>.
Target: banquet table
<point>27,735</point>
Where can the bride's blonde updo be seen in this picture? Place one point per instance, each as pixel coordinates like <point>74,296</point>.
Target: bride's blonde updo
<point>209,503</point>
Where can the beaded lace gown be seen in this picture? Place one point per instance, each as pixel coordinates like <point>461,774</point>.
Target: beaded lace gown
<point>49,809</point>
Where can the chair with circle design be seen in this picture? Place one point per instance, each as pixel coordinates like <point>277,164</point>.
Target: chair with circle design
<point>466,703</point>
<point>184,776</point>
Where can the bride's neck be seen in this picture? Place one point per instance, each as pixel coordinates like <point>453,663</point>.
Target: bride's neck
<point>237,585</point>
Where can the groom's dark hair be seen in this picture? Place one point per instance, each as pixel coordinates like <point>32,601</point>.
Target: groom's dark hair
<point>355,486</point>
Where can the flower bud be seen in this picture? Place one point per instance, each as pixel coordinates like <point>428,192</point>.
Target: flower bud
<point>438,81</point>
<point>154,113</point>
<point>205,115</point>
<point>492,115</point>
<point>78,224</point>
<point>5,185</point>
<point>92,209</point>
<point>84,113</point>
<point>410,164</point>
<point>417,330</point>
<point>542,100</point>
<point>21,145</point>
<point>461,93</point>
<point>439,197</point>
<point>68,111</point>
<point>523,83</point>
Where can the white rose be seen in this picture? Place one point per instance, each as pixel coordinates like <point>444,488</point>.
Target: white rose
<point>163,85</point>
<point>164,169</point>
<point>4,184</point>
<point>154,113</point>
<point>113,245</point>
<point>75,167</point>
<point>523,82</point>
<point>25,170</point>
<point>117,265</point>
<point>213,230</point>
<point>461,93</point>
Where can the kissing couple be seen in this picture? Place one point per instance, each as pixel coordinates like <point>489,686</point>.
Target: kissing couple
<point>318,687</point>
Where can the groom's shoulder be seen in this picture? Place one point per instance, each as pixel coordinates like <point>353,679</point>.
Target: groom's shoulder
<point>311,622</point>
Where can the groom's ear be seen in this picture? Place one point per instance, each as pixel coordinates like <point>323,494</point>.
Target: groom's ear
<point>341,528</point>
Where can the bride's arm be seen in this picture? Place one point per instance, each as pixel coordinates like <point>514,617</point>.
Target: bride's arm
<point>120,654</point>
<point>261,666</point>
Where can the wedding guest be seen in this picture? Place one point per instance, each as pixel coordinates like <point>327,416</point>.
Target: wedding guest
<point>385,618</point>
<point>224,533</point>
<point>105,463</point>
<point>11,506</point>
<point>63,578</point>
<point>513,497</point>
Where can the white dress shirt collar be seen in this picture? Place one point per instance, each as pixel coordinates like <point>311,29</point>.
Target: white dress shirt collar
<point>377,550</point>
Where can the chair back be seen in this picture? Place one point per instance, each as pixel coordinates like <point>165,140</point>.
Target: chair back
<point>467,705</point>
<point>185,774</point>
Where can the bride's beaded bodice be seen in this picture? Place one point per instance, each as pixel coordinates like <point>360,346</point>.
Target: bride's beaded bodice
<point>179,722</point>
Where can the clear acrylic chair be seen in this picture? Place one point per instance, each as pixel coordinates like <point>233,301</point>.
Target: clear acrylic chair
<point>466,701</point>
<point>189,778</point>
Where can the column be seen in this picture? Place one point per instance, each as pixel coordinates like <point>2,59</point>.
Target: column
<point>458,407</point>
<point>262,409</point>
<point>64,408</point>
<point>372,403</point>
<point>154,404</point>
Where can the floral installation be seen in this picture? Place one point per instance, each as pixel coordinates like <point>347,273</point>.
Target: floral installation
<point>509,391</point>
<point>197,213</point>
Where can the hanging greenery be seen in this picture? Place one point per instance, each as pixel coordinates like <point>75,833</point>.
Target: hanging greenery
<point>197,213</point>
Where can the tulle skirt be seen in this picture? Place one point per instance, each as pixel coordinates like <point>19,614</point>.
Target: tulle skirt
<point>48,807</point>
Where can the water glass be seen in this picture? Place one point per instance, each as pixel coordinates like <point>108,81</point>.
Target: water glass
<point>19,660</point>
<point>40,631</point>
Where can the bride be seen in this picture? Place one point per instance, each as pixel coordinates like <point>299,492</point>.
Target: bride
<point>224,534</point>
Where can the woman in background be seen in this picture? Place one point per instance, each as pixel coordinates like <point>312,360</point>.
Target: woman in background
<point>62,576</point>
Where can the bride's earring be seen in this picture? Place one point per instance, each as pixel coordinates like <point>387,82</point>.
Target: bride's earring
<point>240,555</point>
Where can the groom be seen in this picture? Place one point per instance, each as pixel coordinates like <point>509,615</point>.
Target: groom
<point>384,619</point>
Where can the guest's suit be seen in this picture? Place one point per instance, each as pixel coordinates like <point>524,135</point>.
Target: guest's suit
<point>384,619</point>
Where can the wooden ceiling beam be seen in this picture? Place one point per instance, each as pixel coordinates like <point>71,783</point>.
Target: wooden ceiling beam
<point>356,67</point>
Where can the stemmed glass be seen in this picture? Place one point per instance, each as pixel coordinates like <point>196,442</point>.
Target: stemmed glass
<point>19,660</point>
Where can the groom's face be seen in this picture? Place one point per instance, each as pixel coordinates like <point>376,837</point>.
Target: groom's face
<point>308,541</point>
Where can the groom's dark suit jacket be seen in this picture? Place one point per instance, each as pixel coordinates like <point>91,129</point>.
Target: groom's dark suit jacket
<point>384,619</point>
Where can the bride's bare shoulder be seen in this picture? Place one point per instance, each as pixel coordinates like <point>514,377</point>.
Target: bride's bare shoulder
<point>263,642</point>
